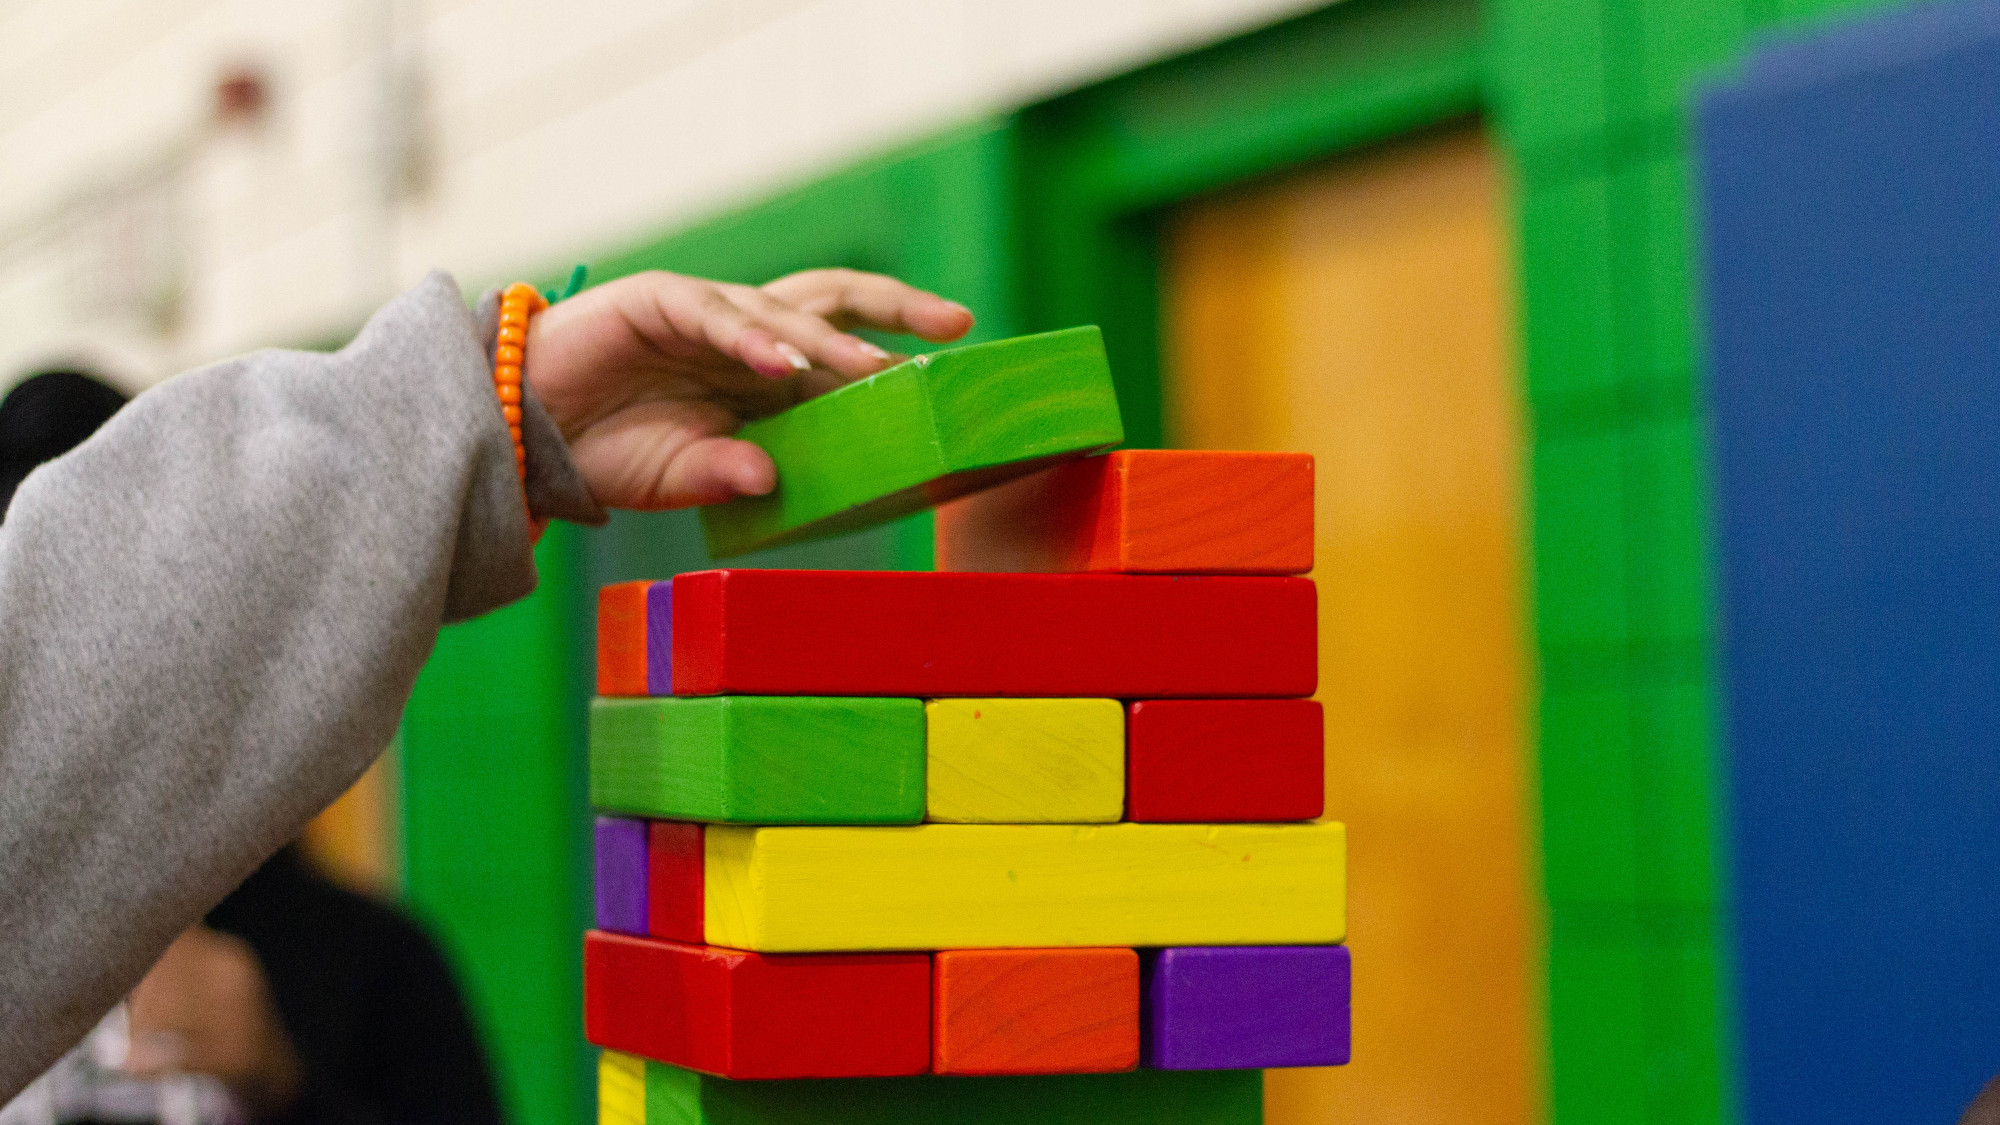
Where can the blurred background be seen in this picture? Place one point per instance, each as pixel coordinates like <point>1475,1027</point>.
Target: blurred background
<point>1462,251</point>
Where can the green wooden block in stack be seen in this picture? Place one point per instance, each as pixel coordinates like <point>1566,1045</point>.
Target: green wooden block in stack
<point>633,1091</point>
<point>925,431</point>
<point>756,759</point>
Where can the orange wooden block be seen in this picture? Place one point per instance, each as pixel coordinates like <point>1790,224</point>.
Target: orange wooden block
<point>1034,1011</point>
<point>1141,511</point>
<point>621,639</point>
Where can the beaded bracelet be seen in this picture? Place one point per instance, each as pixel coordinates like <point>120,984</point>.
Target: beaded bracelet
<point>517,304</point>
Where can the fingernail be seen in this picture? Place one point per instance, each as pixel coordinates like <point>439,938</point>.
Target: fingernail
<point>794,356</point>
<point>870,349</point>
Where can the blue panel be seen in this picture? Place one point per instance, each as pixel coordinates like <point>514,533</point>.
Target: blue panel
<point>1852,206</point>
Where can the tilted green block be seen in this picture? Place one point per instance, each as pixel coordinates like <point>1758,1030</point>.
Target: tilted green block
<point>1141,1097</point>
<point>759,759</point>
<point>920,433</point>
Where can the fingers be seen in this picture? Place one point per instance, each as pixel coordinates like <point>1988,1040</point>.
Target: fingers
<point>847,298</point>
<point>699,311</point>
<point>671,454</point>
<point>809,334</point>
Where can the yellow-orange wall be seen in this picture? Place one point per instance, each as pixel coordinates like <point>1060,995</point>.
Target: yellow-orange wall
<point>1360,312</point>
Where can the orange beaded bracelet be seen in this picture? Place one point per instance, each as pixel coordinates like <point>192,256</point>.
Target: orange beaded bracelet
<point>517,304</point>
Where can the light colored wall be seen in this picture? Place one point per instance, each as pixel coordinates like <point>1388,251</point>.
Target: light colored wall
<point>138,235</point>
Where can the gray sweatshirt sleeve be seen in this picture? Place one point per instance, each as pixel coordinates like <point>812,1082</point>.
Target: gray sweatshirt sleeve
<point>211,615</point>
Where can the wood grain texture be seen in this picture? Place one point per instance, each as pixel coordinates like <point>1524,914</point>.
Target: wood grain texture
<point>621,1089</point>
<point>1209,761</point>
<point>751,759</point>
<point>675,1096</point>
<point>1228,1007</point>
<point>801,632</point>
<point>742,1015</point>
<point>1360,311</point>
<point>958,886</point>
<point>1140,511</point>
<point>921,432</point>
<point>1034,1011</point>
<point>1024,761</point>
<point>618,868</point>
<point>674,870</point>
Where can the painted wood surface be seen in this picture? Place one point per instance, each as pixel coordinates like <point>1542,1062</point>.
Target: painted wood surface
<point>674,872</point>
<point>675,1096</point>
<point>1361,312</point>
<point>1271,1006</point>
<point>750,759</point>
<point>619,871</point>
<point>1024,761</point>
<point>1140,511</point>
<point>1220,760</point>
<point>1034,1011</point>
<point>742,1015</point>
<point>926,430</point>
<point>622,638</point>
<point>621,1089</point>
<point>799,632</point>
<point>957,886</point>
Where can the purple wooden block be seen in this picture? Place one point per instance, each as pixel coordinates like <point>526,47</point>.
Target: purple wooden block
<point>621,875</point>
<point>1241,1007</point>
<point>660,638</point>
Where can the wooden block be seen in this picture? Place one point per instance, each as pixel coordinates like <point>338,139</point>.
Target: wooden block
<point>620,870</point>
<point>1224,1008</point>
<point>750,759</point>
<point>744,1015</point>
<point>922,432</point>
<point>674,859</point>
<point>634,655</point>
<point>1140,511</point>
<point>1024,761</point>
<point>674,1096</point>
<point>1034,1011</point>
<point>965,886</point>
<point>1212,761</point>
<point>621,1089</point>
<point>825,632</point>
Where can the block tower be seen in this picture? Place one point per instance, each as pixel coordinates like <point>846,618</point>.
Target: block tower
<point>1031,839</point>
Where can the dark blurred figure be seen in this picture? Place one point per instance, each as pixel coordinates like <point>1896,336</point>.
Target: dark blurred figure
<point>312,1004</point>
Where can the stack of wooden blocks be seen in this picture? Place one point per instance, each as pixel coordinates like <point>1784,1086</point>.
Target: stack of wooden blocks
<point>970,846</point>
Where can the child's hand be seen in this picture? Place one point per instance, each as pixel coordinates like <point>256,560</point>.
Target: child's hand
<point>649,375</point>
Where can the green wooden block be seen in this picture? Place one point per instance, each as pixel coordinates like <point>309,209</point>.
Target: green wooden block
<point>758,759</point>
<point>1598,1037</point>
<point>1667,531</point>
<point>1581,596</point>
<point>1141,1097</point>
<point>920,433</point>
<point>1590,850</point>
<point>1566,299</point>
<point>1680,41</point>
<point>1675,777</point>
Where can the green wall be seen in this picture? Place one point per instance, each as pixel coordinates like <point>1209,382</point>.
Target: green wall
<point>1049,217</point>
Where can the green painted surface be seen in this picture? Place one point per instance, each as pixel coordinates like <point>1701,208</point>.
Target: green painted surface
<point>496,834</point>
<point>1590,846</point>
<point>1581,592</point>
<point>925,431</point>
<point>1600,1046</point>
<point>1566,292</point>
<point>750,759</point>
<point>1141,1097</point>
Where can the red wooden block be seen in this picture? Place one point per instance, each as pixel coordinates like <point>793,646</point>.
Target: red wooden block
<point>674,866</point>
<point>1035,1011</point>
<point>1211,761</point>
<point>1140,511</point>
<point>752,1015</point>
<point>621,639</point>
<point>823,632</point>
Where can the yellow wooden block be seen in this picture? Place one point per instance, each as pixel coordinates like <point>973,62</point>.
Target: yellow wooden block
<point>960,886</point>
<point>621,1089</point>
<point>1024,761</point>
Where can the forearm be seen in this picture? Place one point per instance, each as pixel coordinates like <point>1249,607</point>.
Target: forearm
<point>211,615</point>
